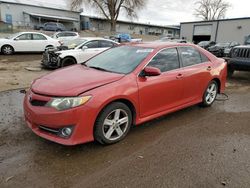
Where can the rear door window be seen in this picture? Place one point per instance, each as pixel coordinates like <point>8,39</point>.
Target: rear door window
<point>190,56</point>
<point>39,37</point>
<point>106,44</point>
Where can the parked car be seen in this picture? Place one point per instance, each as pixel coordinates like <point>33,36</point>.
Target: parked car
<point>123,86</point>
<point>239,59</point>
<point>172,40</point>
<point>228,49</point>
<point>27,42</point>
<point>66,36</point>
<point>206,44</point>
<point>124,38</point>
<point>87,49</point>
<point>50,26</point>
<point>218,49</point>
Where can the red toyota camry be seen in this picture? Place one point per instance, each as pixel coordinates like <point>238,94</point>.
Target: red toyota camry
<point>124,86</point>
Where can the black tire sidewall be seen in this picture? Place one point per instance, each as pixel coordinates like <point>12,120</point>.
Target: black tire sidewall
<point>7,46</point>
<point>64,61</point>
<point>98,129</point>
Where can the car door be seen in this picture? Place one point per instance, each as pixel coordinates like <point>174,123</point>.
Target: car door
<point>39,42</point>
<point>89,50</point>
<point>22,43</point>
<point>160,93</point>
<point>196,71</point>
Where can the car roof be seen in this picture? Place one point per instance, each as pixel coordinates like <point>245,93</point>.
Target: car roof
<point>32,32</point>
<point>158,45</point>
<point>96,38</point>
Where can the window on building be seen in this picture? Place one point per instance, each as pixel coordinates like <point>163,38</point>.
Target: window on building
<point>166,60</point>
<point>131,27</point>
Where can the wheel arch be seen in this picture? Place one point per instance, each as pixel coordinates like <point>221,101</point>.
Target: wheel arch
<point>68,56</point>
<point>217,80</point>
<point>125,101</point>
<point>7,45</point>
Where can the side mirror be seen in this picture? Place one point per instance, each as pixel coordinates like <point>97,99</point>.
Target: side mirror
<point>150,71</point>
<point>17,39</point>
<point>84,48</point>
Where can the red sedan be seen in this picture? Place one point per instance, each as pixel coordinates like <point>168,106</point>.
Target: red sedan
<point>124,86</point>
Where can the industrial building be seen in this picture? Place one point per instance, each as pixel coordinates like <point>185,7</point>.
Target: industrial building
<point>27,14</point>
<point>224,30</point>
<point>102,25</point>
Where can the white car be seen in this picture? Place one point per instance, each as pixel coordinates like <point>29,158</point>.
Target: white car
<point>88,48</point>
<point>27,42</point>
<point>65,36</point>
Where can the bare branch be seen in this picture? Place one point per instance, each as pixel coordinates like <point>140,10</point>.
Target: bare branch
<point>211,9</point>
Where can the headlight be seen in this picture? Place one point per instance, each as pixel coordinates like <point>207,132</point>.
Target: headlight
<point>67,103</point>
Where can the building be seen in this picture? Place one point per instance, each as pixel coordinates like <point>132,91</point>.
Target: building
<point>102,25</point>
<point>224,30</point>
<point>27,14</point>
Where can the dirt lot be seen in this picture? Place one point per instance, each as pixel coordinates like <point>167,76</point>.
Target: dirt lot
<point>195,147</point>
<point>13,73</point>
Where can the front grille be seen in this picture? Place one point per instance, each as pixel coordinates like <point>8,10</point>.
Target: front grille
<point>49,130</point>
<point>241,53</point>
<point>46,57</point>
<point>38,103</point>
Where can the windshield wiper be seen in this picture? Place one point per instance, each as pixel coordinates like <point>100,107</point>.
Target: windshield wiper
<point>99,68</point>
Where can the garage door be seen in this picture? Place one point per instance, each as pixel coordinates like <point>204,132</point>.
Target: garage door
<point>202,30</point>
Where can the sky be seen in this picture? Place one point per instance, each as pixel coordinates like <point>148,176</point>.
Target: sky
<point>172,12</point>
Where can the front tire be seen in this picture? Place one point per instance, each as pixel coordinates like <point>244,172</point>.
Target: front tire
<point>67,61</point>
<point>7,50</point>
<point>113,123</point>
<point>210,94</point>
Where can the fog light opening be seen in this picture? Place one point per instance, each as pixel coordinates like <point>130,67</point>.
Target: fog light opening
<point>66,132</point>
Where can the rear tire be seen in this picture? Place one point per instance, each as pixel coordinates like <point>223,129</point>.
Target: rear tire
<point>7,50</point>
<point>67,61</point>
<point>113,123</point>
<point>210,94</point>
<point>230,72</point>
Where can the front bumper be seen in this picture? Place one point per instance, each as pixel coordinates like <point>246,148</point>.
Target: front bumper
<point>44,120</point>
<point>241,64</point>
<point>51,61</point>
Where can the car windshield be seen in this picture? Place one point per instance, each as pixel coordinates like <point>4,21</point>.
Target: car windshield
<point>75,42</point>
<point>223,44</point>
<point>122,60</point>
<point>13,36</point>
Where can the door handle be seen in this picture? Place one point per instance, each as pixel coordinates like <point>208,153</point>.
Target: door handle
<point>209,68</point>
<point>179,76</point>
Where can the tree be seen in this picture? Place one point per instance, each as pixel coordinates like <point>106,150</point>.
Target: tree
<point>211,9</point>
<point>111,9</point>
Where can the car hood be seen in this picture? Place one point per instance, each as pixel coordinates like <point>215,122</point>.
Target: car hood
<point>4,40</point>
<point>70,52</point>
<point>73,81</point>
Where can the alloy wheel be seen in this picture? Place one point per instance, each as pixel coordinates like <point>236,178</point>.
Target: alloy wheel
<point>115,124</point>
<point>211,93</point>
